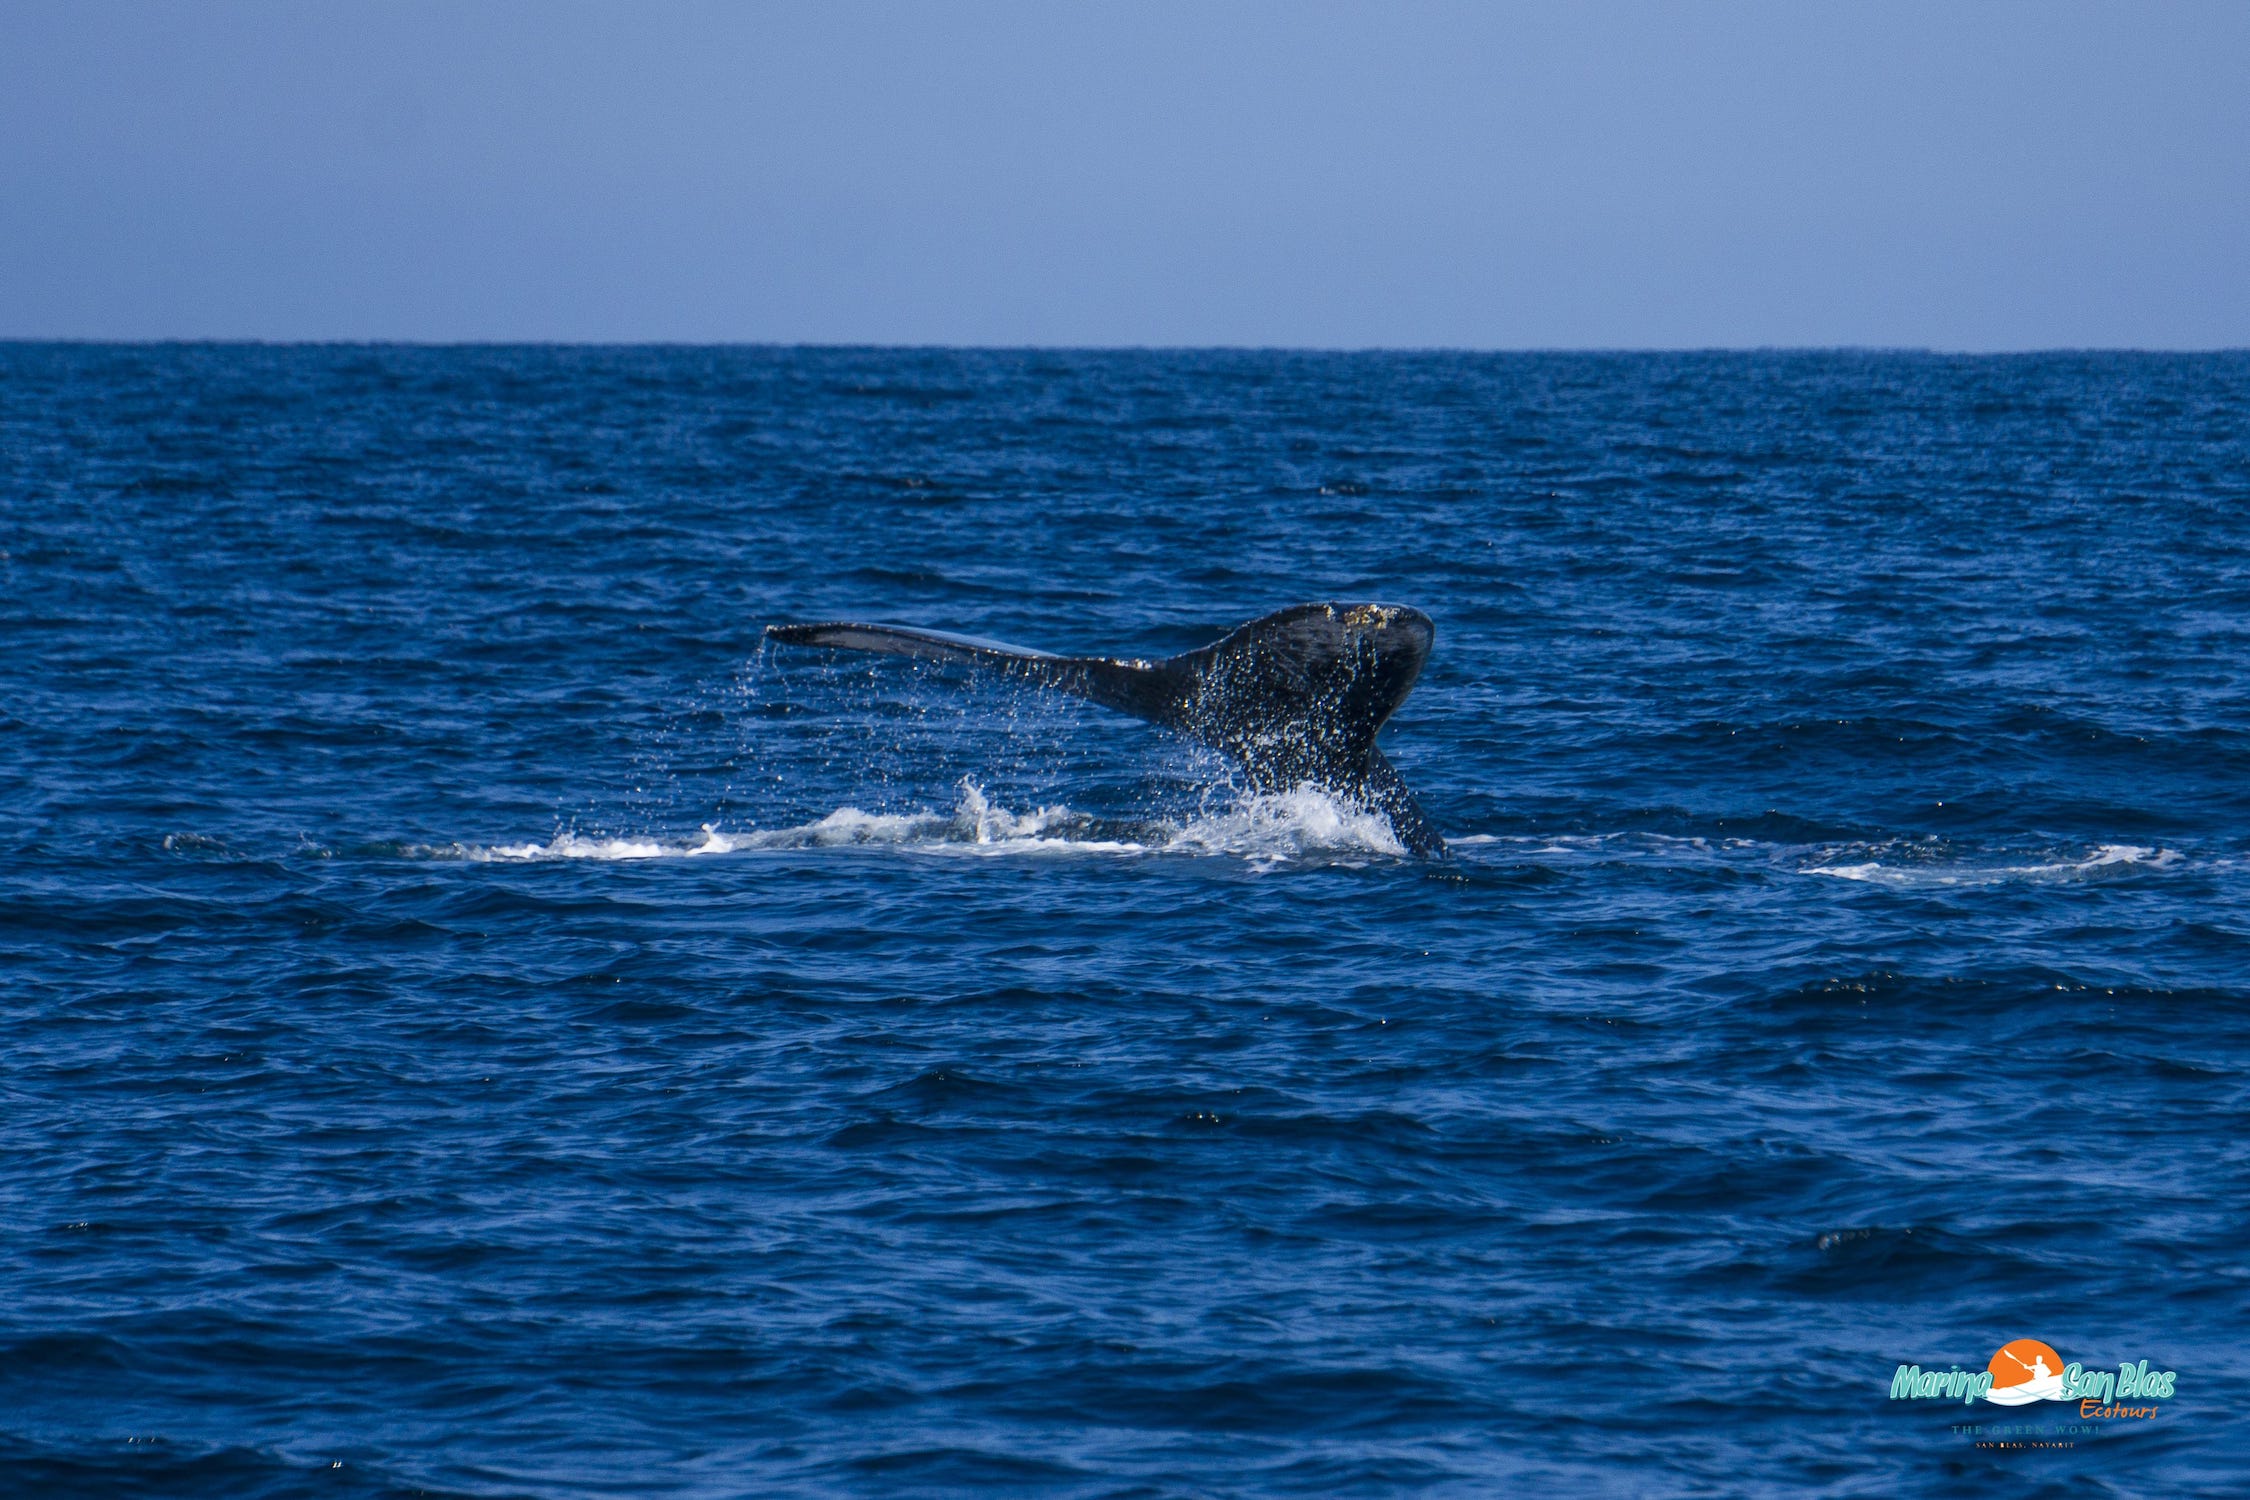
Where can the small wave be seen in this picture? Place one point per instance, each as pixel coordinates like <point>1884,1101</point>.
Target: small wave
<point>1267,830</point>
<point>1903,863</point>
<point>1906,871</point>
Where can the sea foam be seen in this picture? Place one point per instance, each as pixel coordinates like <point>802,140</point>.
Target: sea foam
<point>1266,829</point>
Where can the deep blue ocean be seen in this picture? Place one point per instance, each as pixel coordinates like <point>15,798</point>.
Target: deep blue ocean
<point>479,1022</point>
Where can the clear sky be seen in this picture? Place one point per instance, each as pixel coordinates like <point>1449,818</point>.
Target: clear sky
<point>1966,174</point>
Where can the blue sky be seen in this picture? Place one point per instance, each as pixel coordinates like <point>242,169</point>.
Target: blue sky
<point>1975,176</point>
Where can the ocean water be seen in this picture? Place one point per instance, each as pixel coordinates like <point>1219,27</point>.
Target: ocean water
<point>479,1023</point>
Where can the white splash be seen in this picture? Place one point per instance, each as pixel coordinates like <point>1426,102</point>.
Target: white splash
<point>1289,825</point>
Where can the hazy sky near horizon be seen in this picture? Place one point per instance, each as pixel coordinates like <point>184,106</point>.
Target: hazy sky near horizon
<point>1489,175</point>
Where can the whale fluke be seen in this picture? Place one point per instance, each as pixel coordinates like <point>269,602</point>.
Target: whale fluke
<point>1296,697</point>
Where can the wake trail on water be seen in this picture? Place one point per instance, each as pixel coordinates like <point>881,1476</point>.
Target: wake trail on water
<point>1264,829</point>
<point>1310,826</point>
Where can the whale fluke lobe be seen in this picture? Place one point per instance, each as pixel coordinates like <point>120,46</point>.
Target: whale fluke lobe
<point>1296,696</point>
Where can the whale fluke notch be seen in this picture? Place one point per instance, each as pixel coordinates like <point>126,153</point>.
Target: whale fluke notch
<point>1296,696</point>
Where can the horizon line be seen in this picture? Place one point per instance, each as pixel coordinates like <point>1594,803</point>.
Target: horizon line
<point>938,347</point>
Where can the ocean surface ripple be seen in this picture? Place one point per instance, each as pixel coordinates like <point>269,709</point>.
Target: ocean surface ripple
<point>481,1024</point>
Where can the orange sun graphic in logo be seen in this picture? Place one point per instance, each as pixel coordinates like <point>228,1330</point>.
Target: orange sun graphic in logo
<point>2025,1371</point>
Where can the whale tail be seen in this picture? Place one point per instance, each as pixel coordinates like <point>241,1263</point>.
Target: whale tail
<point>1296,696</point>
